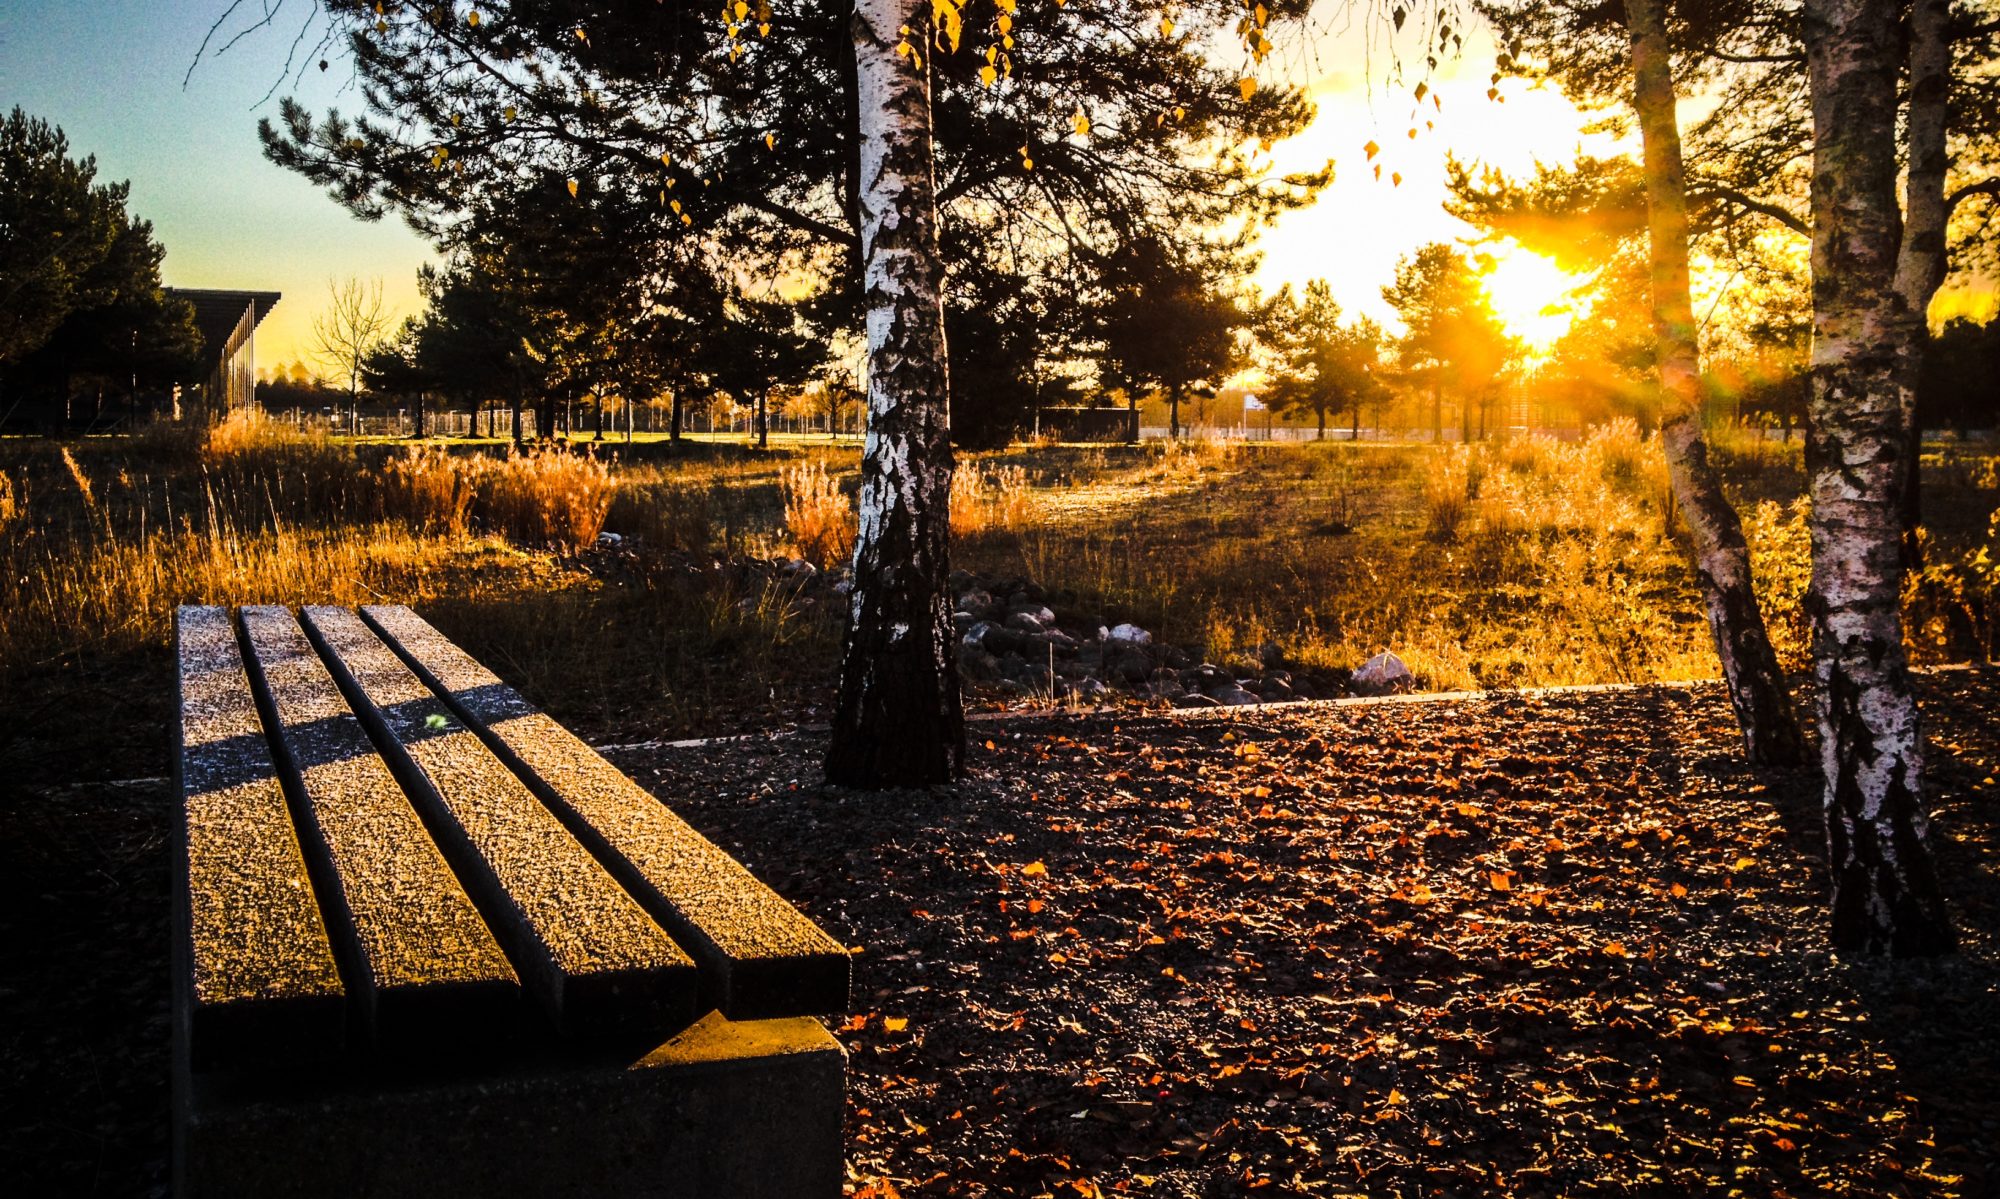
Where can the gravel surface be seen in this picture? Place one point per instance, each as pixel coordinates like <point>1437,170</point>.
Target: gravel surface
<point>1544,945</point>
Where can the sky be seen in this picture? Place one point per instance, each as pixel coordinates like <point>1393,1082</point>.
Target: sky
<point>110,73</point>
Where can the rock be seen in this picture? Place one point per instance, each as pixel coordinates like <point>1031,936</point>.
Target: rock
<point>1130,634</point>
<point>610,540</point>
<point>1206,677</point>
<point>1165,684</point>
<point>1195,701</point>
<point>1030,620</point>
<point>798,568</point>
<point>976,602</point>
<point>1087,688</point>
<point>1129,668</point>
<point>999,639</point>
<point>961,580</point>
<point>1270,655</point>
<point>1384,672</point>
<point>1232,696</point>
<point>976,635</point>
<point>1057,640</point>
<point>978,665</point>
<point>961,621</point>
<point>1274,689</point>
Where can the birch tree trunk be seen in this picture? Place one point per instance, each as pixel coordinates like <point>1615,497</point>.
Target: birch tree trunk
<point>1722,558</point>
<point>1920,263</point>
<point>898,720</point>
<point>1885,891</point>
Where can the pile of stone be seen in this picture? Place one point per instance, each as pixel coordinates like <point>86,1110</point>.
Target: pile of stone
<point>1018,639</point>
<point>1010,641</point>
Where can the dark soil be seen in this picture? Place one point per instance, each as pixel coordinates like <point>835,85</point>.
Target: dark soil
<point>1562,944</point>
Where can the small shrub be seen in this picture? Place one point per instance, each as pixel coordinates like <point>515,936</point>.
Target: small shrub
<point>431,489</point>
<point>818,516</point>
<point>546,496</point>
<point>10,504</point>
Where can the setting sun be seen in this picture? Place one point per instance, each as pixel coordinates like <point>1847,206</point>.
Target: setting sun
<point>1533,296</point>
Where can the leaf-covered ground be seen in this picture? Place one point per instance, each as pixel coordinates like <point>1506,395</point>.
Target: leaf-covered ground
<point>1563,945</point>
<point>1531,945</point>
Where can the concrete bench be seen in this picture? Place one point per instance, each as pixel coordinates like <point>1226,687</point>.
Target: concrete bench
<point>427,942</point>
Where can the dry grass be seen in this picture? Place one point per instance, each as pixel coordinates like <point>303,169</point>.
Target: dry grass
<point>109,594</point>
<point>428,489</point>
<point>1556,565</point>
<point>546,496</point>
<point>1524,563</point>
<point>985,501</point>
<point>1449,491</point>
<point>819,516</point>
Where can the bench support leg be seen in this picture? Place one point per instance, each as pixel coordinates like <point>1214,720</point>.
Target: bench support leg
<point>724,1110</point>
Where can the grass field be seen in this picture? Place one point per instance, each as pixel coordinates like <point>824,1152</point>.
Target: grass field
<point>1529,562</point>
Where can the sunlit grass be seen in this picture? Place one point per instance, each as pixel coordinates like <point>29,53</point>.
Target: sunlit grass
<point>1526,562</point>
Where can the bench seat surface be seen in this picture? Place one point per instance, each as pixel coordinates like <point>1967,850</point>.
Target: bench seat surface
<point>258,966</point>
<point>419,947</point>
<point>767,958</point>
<point>466,851</point>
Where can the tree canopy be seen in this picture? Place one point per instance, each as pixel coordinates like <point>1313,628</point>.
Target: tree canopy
<point>80,291</point>
<point>1088,128</point>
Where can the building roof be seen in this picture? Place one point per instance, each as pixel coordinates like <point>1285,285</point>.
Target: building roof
<point>216,311</point>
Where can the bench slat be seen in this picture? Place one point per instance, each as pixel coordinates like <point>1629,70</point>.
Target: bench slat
<point>426,969</point>
<point>760,956</point>
<point>262,982</point>
<point>591,954</point>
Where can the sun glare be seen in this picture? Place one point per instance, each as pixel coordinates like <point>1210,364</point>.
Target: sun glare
<point>1531,294</point>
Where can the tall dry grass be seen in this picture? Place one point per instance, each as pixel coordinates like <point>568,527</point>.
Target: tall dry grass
<point>109,593</point>
<point>546,496</point>
<point>1448,493</point>
<point>819,517</point>
<point>431,490</point>
<point>986,501</point>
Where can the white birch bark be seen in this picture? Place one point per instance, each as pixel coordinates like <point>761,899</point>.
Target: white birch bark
<point>1722,558</point>
<point>1921,262</point>
<point>898,720</point>
<point>1885,891</point>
